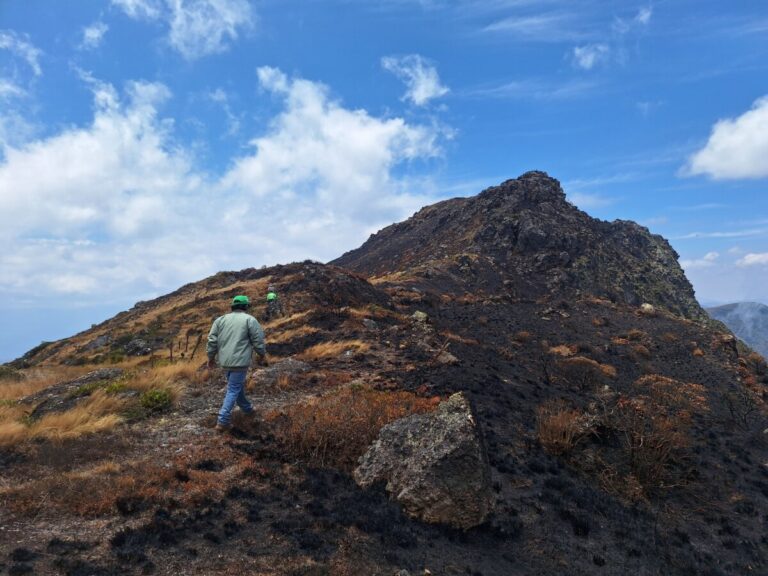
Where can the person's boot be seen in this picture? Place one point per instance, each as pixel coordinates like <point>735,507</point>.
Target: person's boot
<point>223,427</point>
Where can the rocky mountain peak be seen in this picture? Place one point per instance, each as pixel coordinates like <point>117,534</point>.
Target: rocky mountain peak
<point>523,238</point>
<point>534,187</point>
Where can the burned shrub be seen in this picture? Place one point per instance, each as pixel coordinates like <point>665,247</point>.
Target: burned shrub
<point>653,423</point>
<point>585,373</point>
<point>560,427</point>
<point>336,429</point>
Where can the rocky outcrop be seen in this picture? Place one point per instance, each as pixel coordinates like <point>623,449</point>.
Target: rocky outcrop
<point>523,238</point>
<point>63,396</point>
<point>434,465</point>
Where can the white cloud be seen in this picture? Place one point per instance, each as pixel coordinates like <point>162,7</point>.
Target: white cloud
<point>752,259</point>
<point>149,9</point>
<point>21,46</point>
<point>197,28</point>
<point>535,89</point>
<point>93,35</point>
<point>585,200</point>
<point>589,55</point>
<point>220,97</point>
<point>419,76</point>
<point>644,15</point>
<point>10,90</point>
<point>544,27</point>
<point>330,164</point>
<point>737,147</point>
<point>116,207</point>
<point>646,107</point>
<point>709,260</point>
<point>733,234</point>
<point>201,27</point>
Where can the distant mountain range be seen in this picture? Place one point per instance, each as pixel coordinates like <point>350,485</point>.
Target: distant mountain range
<point>748,320</point>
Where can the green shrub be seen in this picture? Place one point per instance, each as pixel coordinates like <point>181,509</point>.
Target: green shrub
<point>156,400</point>
<point>9,373</point>
<point>116,387</point>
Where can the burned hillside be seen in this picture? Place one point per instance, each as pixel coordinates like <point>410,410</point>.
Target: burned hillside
<point>622,433</point>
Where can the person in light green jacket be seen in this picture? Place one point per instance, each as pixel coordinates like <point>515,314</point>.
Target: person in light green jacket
<point>233,338</point>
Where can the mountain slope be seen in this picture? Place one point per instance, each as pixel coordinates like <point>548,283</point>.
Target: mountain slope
<point>523,238</point>
<point>748,320</point>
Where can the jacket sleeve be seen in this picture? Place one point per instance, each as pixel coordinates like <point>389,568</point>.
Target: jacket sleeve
<point>256,336</point>
<point>213,339</point>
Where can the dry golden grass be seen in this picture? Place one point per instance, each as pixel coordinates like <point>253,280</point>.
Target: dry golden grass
<point>289,335</point>
<point>96,414</point>
<point>283,321</point>
<point>371,312</point>
<point>563,350</point>
<point>172,377</point>
<point>37,379</point>
<point>458,338</point>
<point>333,349</point>
<point>337,428</point>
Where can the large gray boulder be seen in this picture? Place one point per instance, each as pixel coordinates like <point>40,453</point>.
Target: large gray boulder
<point>434,465</point>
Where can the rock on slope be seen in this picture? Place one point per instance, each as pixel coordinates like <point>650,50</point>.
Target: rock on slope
<point>748,320</point>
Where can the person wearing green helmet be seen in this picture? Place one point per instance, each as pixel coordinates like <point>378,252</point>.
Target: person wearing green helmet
<point>274,307</point>
<point>233,338</point>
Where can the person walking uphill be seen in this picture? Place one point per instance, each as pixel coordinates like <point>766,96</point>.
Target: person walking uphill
<point>233,338</point>
<point>274,307</point>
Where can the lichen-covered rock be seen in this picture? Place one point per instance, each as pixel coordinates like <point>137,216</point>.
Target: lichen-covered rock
<point>419,316</point>
<point>63,396</point>
<point>434,465</point>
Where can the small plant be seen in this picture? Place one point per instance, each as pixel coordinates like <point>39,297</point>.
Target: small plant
<point>640,351</point>
<point>156,400</point>
<point>635,335</point>
<point>586,373</point>
<point>559,427</point>
<point>115,387</point>
<point>283,381</point>
<point>522,337</point>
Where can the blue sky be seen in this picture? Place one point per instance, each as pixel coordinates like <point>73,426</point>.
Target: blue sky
<point>149,143</point>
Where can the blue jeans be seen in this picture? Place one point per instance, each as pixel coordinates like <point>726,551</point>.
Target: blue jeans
<point>235,394</point>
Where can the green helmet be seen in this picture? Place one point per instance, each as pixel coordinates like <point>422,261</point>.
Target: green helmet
<point>241,301</point>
